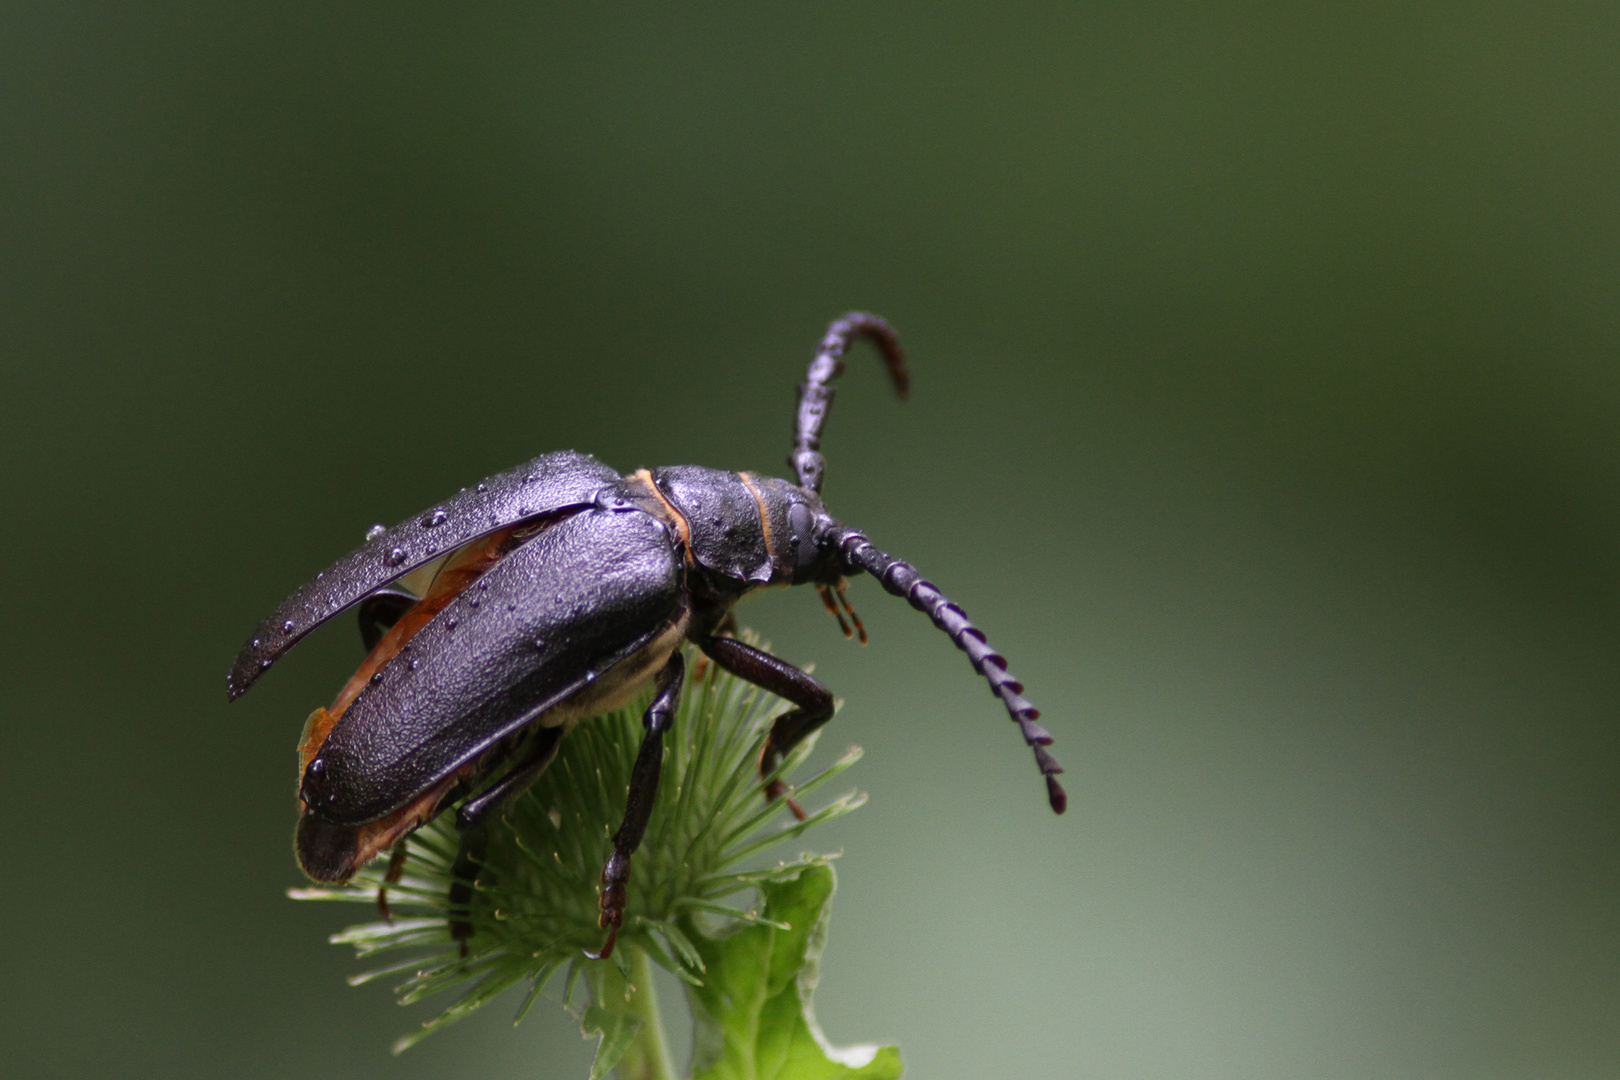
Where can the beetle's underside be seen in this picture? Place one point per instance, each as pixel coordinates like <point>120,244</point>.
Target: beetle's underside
<point>563,588</point>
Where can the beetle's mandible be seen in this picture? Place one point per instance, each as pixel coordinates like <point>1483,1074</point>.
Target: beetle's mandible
<point>562,588</point>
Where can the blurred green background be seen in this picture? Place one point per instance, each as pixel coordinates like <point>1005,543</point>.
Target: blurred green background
<point>1266,414</point>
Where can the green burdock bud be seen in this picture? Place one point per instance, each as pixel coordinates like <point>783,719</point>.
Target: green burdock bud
<point>749,967</point>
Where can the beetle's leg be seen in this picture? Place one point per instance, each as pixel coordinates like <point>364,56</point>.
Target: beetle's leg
<point>814,701</point>
<point>396,867</point>
<point>463,875</point>
<point>493,800</point>
<point>816,395</point>
<point>902,579</point>
<point>479,810</point>
<point>727,628</point>
<point>638,808</point>
<point>380,611</point>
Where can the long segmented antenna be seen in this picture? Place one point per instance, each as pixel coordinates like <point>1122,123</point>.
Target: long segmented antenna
<point>903,580</point>
<point>816,394</point>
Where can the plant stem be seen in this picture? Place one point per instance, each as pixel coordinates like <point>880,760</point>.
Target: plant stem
<point>648,1057</point>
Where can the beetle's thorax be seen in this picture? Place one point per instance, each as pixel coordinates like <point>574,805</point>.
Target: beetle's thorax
<point>737,531</point>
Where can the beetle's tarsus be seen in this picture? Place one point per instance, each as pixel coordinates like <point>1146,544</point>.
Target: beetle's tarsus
<point>607,946</point>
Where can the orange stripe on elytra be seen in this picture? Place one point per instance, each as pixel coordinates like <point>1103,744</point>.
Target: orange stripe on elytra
<point>458,572</point>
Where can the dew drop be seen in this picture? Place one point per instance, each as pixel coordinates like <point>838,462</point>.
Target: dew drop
<point>473,603</point>
<point>483,487</point>
<point>452,624</point>
<point>540,643</point>
<point>524,511</point>
<point>529,478</point>
<point>287,627</point>
<point>394,557</point>
<point>255,643</point>
<point>435,519</point>
<point>264,665</point>
<point>376,678</point>
<point>375,531</point>
<point>317,766</point>
<point>414,664</point>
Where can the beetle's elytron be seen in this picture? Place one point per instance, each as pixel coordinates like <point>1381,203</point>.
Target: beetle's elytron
<point>564,589</point>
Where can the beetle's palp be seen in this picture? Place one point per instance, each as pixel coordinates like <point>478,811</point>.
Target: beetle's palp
<point>902,579</point>
<point>843,598</point>
<point>826,594</point>
<point>816,394</point>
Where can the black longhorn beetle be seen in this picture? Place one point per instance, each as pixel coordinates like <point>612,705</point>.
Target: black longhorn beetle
<point>563,588</point>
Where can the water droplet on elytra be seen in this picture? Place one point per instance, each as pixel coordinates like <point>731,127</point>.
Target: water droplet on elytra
<point>473,602</point>
<point>452,624</point>
<point>376,678</point>
<point>483,487</point>
<point>540,643</point>
<point>414,664</point>
<point>529,478</point>
<point>264,665</point>
<point>317,766</point>
<point>287,627</point>
<point>394,557</point>
<point>438,517</point>
<point>255,643</point>
<point>375,531</point>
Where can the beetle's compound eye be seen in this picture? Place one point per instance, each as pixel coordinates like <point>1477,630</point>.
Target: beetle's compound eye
<point>802,521</point>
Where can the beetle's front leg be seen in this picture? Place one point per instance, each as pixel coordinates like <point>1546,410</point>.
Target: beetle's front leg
<point>814,701</point>
<point>638,808</point>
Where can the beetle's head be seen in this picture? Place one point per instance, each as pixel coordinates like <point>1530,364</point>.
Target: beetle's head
<point>816,557</point>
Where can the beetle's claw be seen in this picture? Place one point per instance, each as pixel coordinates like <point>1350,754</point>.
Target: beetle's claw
<point>607,946</point>
<point>776,790</point>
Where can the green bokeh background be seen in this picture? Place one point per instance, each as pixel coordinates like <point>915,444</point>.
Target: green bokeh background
<point>1266,414</point>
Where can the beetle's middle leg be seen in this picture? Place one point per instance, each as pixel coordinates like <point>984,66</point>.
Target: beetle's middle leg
<point>479,810</point>
<point>643,792</point>
<point>814,701</point>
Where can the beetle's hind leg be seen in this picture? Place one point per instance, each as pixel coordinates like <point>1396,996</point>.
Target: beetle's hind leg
<point>380,611</point>
<point>475,814</point>
<point>643,792</point>
<point>814,701</point>
<point>396,867</point>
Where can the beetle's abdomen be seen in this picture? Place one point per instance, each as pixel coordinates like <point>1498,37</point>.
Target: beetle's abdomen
<point>727,520</point>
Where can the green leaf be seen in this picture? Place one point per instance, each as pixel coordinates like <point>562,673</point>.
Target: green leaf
<point>752,1017</point>
<point>617,1030</point>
